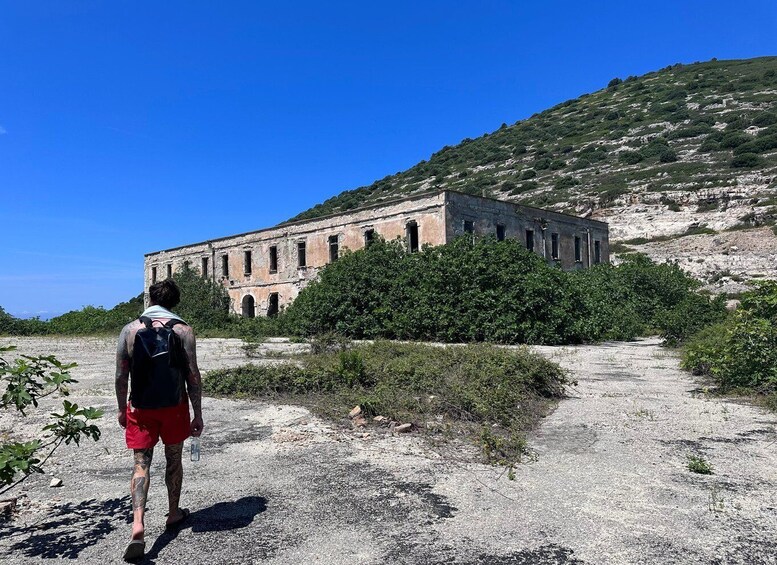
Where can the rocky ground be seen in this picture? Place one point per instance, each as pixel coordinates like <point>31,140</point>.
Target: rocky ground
<point>725,261</point>
<point>610,483</point>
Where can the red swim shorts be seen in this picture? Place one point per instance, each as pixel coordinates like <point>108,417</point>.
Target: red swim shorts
<point>145,426</point>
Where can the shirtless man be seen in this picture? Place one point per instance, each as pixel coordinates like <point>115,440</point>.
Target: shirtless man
<point>143,426</point>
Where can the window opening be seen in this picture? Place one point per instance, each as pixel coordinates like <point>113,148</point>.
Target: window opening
<point>554,246</point>
<point>273,259</point>
<point>204,266</point>
<point>247,262</point>
<point>412,237</point>
<point>597,251</point>
<point>500,232</point>
<point>170,271</point>
<point>578,249</point>
<point>530,240</point>
<point>272,305</point>
<point>369,237</point>
<point>334,248</point>
<point>301,258</point>
<point>469,226</point>
<point>225,265</point>
<point>153,275</point>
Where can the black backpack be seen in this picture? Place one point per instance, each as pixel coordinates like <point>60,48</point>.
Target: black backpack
<point>158,366</point>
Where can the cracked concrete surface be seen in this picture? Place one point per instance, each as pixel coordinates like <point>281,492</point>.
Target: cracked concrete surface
<point>276,485</point>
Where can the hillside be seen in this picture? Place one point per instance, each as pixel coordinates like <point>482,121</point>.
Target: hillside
<point>688,152</point>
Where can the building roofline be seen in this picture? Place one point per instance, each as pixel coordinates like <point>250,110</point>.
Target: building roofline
<point>379,204</point>
<point>306,221</point>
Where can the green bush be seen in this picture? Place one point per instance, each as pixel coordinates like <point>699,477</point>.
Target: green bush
<point>630,157</point>
<point>204,302</point>
<point>746,160</point>
<point>742,351</point>
<point>483,290</point>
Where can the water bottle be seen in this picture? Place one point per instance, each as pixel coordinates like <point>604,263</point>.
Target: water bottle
<point>195,446</point>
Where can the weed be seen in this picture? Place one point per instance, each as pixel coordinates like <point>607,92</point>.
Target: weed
<point>697,464</point>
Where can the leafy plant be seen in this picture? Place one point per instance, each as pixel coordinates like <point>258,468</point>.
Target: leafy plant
<point>26,381</point>
<point>697,464</point>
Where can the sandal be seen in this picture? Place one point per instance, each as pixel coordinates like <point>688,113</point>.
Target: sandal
<point>135,550</point>
<point>178,523</point>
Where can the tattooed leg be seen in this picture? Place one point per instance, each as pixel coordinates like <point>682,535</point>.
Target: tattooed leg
<point>173,479</point>
<point>139,490</point>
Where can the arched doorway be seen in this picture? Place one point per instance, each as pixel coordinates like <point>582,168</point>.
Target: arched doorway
<point>248,306</point>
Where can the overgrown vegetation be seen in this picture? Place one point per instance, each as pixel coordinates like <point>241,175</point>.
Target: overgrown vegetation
<point>499,292</point>
<point>740,353</point>
<point>492,395</point>
<point>24,382</point>
<point>90,320</point>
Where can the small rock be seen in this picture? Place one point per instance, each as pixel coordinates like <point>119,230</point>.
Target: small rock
<point>55,482</point>
<point>355,412</point>
<point>6,508</point>
<point>379,419</point>
<point>360,422</point>
<point>403,428</point>
<point>365,435</point>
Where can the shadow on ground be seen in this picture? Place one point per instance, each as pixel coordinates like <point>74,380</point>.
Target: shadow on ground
<point>220,517</point>
<point>68,529</point>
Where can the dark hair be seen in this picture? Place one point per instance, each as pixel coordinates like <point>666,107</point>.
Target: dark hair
<point>165,294</point>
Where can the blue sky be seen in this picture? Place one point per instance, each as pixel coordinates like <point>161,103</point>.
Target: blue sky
<point>128,127</point>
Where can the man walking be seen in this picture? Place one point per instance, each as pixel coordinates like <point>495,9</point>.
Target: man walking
<point>159,352</point>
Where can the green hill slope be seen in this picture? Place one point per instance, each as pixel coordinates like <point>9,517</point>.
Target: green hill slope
<point>687,151</point>
<point>686,126</point>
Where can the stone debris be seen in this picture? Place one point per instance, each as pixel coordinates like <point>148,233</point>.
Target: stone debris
<point>403,428</point>
<point>360,422</point>
<point>379,419</point>
<point>7,508</point>
<point>55,482</point>
<point>355,412</point>
<point>285,435</point>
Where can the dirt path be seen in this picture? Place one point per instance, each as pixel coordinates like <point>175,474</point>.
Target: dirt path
<point>277,486</point>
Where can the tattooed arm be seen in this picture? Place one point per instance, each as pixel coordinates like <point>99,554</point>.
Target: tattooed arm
<point>193,380</point>
<point>122,375</point>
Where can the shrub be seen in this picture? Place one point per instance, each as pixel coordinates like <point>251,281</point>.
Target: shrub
<point>614,82</point>
<point>746,160</point>
<point>25,381</point>
<point>763,119</point>
<point>742,351</point>
<point>566,182</point>
<point>467,388</point>
<point>668,156</point>
<point>630,157</point>
<point>204,302</point>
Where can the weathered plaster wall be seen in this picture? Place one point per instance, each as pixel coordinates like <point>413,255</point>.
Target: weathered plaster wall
<point>439,216</point>
<point>387,220</point>
<point>487,213</point>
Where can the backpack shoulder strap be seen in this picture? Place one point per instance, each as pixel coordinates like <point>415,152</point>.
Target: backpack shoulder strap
<point>146,321</point>
<point>172,322</point>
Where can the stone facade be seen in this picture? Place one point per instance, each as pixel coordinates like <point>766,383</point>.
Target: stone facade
<point>264,270</point>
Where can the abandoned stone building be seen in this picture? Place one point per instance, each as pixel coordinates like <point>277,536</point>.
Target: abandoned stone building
<point>264,270</point>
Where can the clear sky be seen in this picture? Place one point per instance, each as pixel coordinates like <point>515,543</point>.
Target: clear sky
<point>132,126</point>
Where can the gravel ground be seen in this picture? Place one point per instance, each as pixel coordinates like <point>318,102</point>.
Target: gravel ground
<point>275,485</point>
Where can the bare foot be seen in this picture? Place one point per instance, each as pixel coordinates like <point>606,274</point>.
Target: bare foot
<point>174,517</point>
<point>138,531</point>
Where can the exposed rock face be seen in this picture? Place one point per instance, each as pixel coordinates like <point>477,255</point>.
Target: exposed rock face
<point>724,261</point>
